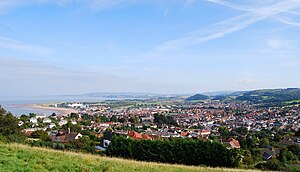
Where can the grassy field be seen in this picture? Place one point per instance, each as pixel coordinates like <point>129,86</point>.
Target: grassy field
<point>16,157</point>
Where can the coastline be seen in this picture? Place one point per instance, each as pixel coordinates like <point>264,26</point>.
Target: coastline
<point>62,111</point>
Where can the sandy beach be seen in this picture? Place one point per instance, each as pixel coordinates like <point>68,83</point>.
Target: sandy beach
<point>62,111</point>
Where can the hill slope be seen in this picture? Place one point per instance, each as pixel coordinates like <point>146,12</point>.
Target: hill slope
<point>271,95</point>
<point>15,157</point>
<point>197,97</point>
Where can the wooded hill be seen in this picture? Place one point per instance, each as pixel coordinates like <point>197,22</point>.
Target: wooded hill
<point>264,96</point>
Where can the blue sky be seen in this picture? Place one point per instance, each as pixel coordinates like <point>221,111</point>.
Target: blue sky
<point>52,47</point>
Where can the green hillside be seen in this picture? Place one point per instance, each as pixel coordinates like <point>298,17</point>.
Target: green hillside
<point>267,97</point>
<point>16,157</point>
<point>271,95</point>
<point>197,97</point>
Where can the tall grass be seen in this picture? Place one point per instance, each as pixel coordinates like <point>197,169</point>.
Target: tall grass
<point>16,157</point>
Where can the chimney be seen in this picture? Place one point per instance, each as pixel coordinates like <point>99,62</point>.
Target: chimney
<point>69,130</point>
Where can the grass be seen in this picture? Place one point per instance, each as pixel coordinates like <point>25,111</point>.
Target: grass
<point>293,101</point>
<point>16,157</point>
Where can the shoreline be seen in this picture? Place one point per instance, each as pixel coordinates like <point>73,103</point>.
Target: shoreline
<point>62,111</point>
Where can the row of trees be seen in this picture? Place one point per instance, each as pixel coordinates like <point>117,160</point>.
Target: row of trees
<point>179,151</point>
<point>9,128</point>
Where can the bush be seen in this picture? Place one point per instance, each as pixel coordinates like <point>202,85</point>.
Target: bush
<point>179,151</point>
<point>274,165</point>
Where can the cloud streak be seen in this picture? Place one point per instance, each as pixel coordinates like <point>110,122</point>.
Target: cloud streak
<point>97,5</point>
<point>12,44</point>
<point>228,26</point>
<point>285,20</point>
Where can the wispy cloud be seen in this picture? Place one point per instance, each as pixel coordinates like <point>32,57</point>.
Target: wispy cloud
<point>97,5</point>
<point>289,21</point>
<point>231,5</point>
<point>40,78</point>
<point>8,4</point>
<point>279,44</point>
<point>105,4</point>
<point>247,8</point>
<point>228,26</point>
<point>12,44</point>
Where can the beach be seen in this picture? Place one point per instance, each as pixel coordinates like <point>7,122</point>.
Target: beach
<point>46,107</point>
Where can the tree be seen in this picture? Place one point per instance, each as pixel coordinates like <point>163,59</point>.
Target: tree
<point>9,124</point>
<point>295,149</point>
<point>264,143</point>
<point>24,118</point>
<point>162,119</point>
<point>31,115</point>
<point>179,151</point>
<point>241,131</point>
<point>74,115</point>
<point>40,134</point>
<point>247,159</point>
<point>223,130</point>
<point>286,156</point>
<point>297,133</point>
<point>73,128</point>
<point>9,127</point>
<point>273,165</point>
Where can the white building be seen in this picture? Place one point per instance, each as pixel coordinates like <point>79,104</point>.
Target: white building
<point>52,125</point>
<point>62,122</point>
<point>33,120</point>
<point>47,120</point>
<point>40,116</point>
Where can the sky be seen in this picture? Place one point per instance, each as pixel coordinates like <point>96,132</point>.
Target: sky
<point>58,47</point>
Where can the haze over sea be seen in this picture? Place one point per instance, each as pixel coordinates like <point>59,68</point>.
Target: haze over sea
<point>16,105</point>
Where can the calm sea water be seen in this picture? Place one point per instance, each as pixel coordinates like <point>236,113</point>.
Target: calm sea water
<point>15,105</point>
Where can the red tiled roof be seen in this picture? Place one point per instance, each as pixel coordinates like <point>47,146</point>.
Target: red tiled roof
<point>135,135</point>
<point>65,137</point>
<point>184,133</point>
<point>146,137</point>
<point>28,132</point>
<point>234,143</point>
<point>205,131</point>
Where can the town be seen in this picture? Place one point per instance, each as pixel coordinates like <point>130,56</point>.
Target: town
<point>234,124</point>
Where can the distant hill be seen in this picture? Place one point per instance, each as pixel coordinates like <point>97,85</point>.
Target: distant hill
<point>220,97</point>
<point>271,95</point>
<point>218,93</point>
<point>15,157</point>
<point>268,97</point>
<point>197,97</point>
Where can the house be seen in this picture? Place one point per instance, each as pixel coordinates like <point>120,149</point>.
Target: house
<point>52,125</point>
<point>62,122</point>
<point>47,120</point>
<point>268,153</point>
<point>33,120</point>
<point>232,143</point>
<point>73,122</point>
<point>184,134</point>
<point>204,133</point>
<point>76,105</point>
<point>267,156</point>
<point>20,123</point>
<point>66,137</point>
<point>106,143</point>
<point>146,137</point>
<point>286,141</point>
<point>135,135</point>
<point>29,131</point>
<point>40,116</point>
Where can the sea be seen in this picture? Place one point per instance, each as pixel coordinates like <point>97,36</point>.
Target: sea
<point>15,105</point>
